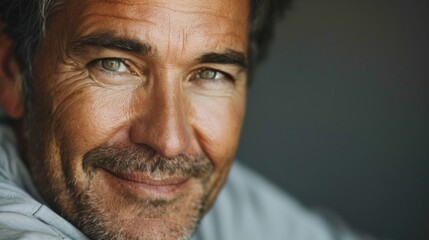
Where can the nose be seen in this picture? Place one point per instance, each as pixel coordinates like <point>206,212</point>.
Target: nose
<point>163,123</point>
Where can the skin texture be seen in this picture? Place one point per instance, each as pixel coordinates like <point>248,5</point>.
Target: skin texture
<point>136,112</point>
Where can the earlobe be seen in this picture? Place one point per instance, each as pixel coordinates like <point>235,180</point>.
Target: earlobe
<point>10,90</point>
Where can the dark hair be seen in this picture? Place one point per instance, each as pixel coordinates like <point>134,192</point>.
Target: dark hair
<point>263,17</point>
<point>25,23</point>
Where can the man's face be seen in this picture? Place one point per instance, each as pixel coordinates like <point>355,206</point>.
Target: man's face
<point>136,111</point>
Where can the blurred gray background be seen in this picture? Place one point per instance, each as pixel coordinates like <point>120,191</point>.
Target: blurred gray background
<point>338,115</point>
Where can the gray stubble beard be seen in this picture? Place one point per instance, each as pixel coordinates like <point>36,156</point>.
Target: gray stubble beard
<point>99,223</point>
<point>95,222</point>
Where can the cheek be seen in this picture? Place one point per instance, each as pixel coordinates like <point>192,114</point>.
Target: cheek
<point>83,115</point>
<point>217,124</point>
<point>96,120</point>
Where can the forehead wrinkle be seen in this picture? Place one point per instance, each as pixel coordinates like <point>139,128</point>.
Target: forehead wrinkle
<point>118,16</point>
<point>110,40</point>
<point>200,9</point>
<point>184,39</point>
<point>126,12</point>
<point>133,9</point>
<point>93,24</point>
<point>230,34</point>
<point>203,22</point>
<point>95,20</point>
<point>90,13</point>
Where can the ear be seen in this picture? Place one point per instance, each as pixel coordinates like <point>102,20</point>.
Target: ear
<point>11,99</point>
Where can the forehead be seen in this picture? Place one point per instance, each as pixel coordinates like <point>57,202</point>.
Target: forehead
<point>180,24</point>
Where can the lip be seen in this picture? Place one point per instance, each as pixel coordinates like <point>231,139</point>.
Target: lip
<point>143,186</point>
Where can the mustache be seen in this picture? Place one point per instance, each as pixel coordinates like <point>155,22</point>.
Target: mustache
<point>143,159</point>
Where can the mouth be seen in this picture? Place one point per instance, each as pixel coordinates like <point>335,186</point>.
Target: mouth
<point>140,173</point>
<point>142,186</point>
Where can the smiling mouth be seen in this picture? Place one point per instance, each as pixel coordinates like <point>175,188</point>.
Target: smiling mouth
<point>143,186</point>
<point>140,173</point>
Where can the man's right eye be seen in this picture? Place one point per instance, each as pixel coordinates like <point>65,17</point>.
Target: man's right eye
<point>114,71</point>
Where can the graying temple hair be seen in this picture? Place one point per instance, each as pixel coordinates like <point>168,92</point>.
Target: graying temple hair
<point>26,20</point>
<point>25,23</point>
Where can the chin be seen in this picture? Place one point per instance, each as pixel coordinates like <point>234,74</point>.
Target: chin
<point>109,208</point>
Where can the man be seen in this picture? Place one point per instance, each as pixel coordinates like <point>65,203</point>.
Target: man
<point>127,115</point>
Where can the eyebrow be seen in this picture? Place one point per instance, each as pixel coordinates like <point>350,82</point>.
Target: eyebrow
<point>110,41</point>
<point>229,57</point>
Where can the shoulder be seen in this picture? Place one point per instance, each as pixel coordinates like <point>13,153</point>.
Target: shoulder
<point>250,207</point>
<point>22,217</point>
<point>22,213</point>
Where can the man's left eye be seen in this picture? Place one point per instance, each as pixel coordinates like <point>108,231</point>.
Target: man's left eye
<point>207,73</point>
<point>211,74</point>
<point>113,65</point>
